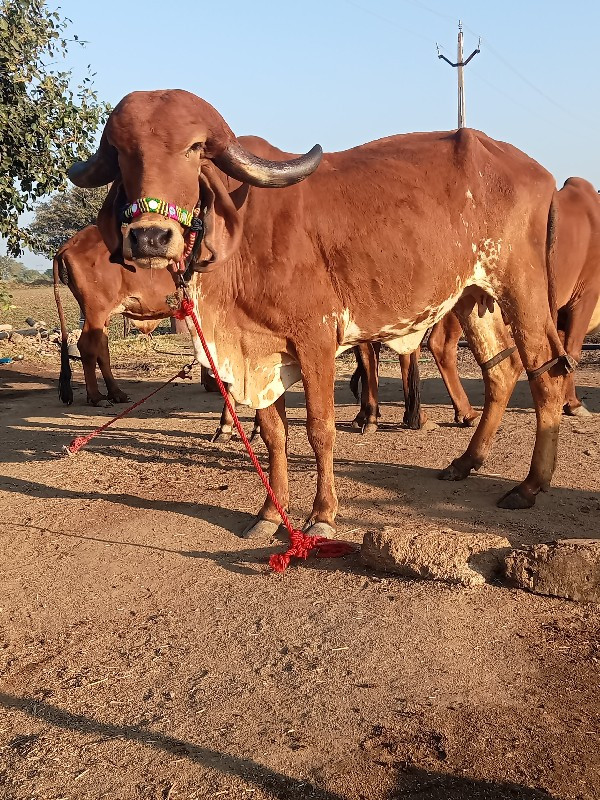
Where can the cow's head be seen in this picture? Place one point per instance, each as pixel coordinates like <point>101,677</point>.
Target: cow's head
<point>164,146</point>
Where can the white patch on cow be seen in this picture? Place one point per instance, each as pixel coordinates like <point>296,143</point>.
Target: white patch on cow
<point>468,194</point>
<point>464,222</point>
<point>199,353</point>
<point>404,345</point>
<point>488,255</point>
<point>281,377</point>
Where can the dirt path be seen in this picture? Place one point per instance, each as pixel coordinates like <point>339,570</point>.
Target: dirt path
<point>146,652</point>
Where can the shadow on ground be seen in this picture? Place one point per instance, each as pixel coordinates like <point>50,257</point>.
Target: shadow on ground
<point>412,784</point>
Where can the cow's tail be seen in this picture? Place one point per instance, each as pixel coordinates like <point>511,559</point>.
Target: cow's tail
<point>65,390</point>
<point>551,258</point>
<point>358,375</point>
<point>412,416</point>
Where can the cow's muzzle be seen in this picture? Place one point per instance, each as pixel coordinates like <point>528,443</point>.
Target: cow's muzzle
<point>153,244</point>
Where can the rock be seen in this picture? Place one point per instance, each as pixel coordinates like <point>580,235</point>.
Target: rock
<point>567,568</point>
<point>6,327</point>
<point>469,559</point>
<point>16,338</point>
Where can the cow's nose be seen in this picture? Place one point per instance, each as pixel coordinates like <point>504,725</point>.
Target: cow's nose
<point>151,241</point>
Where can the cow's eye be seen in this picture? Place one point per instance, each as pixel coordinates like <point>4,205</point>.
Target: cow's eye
<point>196,147</point>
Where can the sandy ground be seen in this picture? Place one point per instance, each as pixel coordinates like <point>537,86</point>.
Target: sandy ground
<point>146,651</point>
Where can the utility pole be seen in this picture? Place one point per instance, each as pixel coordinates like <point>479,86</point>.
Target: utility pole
<point>460,65</point>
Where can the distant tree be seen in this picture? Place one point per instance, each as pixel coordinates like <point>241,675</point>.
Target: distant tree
<point>10,268</point>
<point>60,217</point>
<point>15,272</point>
<point>46,123</point>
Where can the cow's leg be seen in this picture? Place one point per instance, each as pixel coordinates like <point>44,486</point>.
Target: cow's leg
<point>90,345</point>
<point>274,433</point>
<point>318,377</point>
<point>225,430</point>
<point>443,344</point>
<point>412,391</point>
<point>576,324</point>
<point>115,395</point>
<point>539,346</point>
<point>255,428</point>
<point>487,337</point>
<point>366,419</point>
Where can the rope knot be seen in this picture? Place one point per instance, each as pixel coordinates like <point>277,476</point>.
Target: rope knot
<point>301,545</point>
<point>186,309</point>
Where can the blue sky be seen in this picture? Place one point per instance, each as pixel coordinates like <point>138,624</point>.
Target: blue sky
<point>342,72</point>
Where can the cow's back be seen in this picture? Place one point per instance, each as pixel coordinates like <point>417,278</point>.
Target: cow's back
<point>372,221</point>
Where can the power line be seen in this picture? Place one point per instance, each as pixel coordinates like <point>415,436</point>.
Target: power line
<point>379,16</point>
<point>535,88</point>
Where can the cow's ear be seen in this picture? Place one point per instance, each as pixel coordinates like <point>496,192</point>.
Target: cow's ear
<point>223,219</point>
<point>109,220</point>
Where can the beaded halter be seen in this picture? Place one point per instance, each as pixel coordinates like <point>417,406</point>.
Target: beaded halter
<point>152,205</point>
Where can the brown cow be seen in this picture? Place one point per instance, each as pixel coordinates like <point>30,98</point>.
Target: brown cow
<point>578,294</point>
<point>104,288</point>
<point>379,244</point>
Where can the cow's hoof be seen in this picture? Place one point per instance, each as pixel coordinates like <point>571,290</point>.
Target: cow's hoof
<point>467,420</point>
<point>357,424</point>
<point>516,499</point>
<point>454,472</point>
<point>578,411</point>
<point>260,529</point>
<point>119,397</point>
<point>221,436</point>
<point>101,402</point>
<point>323,529</point>
<point>369,427</point>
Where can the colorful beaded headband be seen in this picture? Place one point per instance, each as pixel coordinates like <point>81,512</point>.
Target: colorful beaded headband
<point>152,205</point>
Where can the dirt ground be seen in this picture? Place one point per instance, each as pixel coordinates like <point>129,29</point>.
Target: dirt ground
<point>146,651</point>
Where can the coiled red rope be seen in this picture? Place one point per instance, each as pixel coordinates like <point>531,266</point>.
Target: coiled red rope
<point>301,544</point>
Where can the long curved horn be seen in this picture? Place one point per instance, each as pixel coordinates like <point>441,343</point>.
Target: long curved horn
<point>244,166</point>
<point>100,168</point>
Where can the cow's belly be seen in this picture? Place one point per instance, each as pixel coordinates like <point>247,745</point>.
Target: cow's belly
<point>136,309</point>
<point>405,335</point>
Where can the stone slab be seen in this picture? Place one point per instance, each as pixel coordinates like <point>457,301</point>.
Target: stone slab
<point>468,559</point>
<point>567,568</point>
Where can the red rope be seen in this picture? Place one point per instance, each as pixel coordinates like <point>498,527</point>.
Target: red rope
<point>301,543</point>
<point>81,441</point>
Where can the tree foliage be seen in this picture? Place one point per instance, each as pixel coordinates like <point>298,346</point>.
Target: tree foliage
<point>46,123</point>
<point>5,300</point>
<point>60,217</point>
